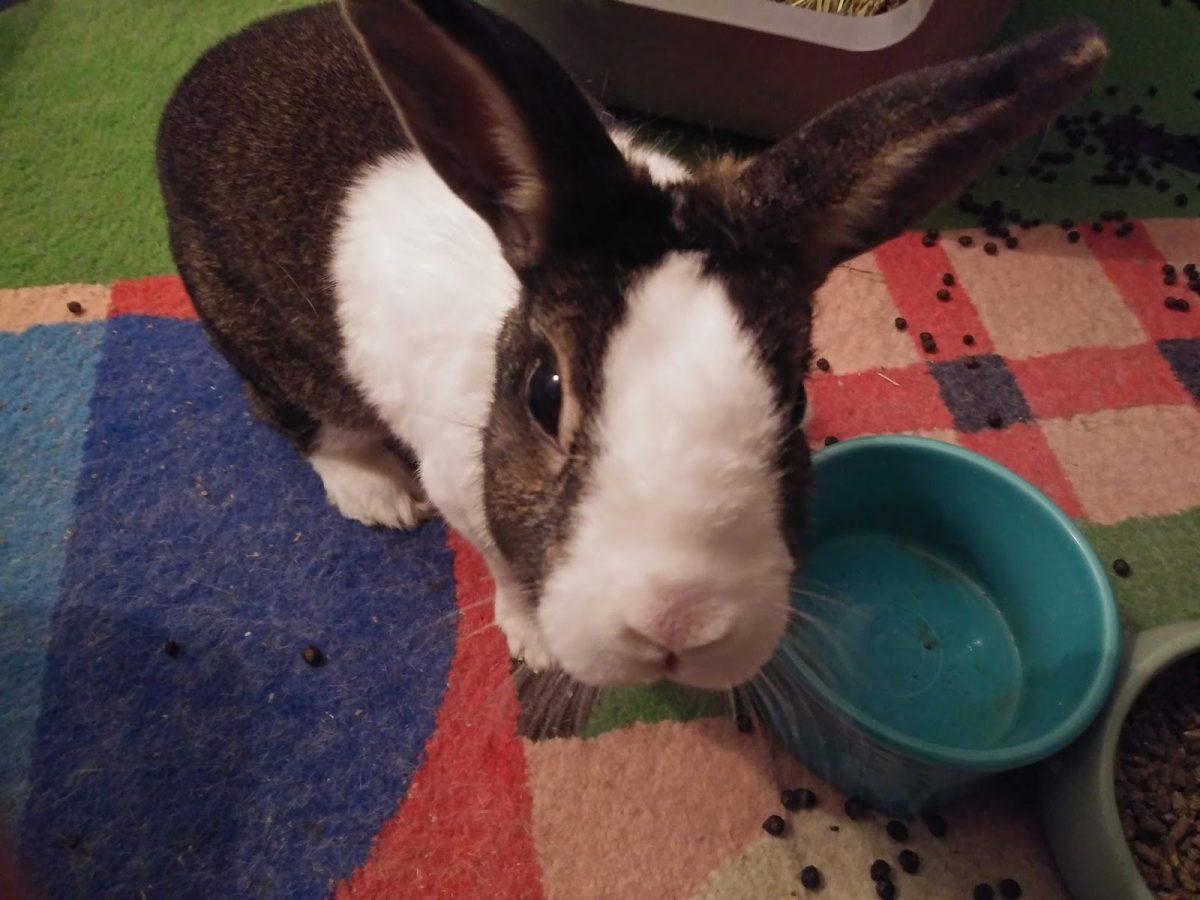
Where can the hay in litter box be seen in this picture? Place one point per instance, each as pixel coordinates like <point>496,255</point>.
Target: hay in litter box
<point>846,7</point>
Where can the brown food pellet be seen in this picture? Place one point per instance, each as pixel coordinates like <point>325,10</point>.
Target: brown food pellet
<point>74,307</point>
<point>969,339</point>
<point>823,364</point>
<point>1073,237</point>
<point>885,890</point>
<point>1067,224</point>
<point>983,892</point>
<point>881,870</point>
<point>943,294</point>
<point>1011,243</point>
<point>901,323</point>
<point>171,648</point>
<point>928,240</point>
<point>948,279</point>
<point>1125,229</point>
<point>1178,304</point>
<point>990,248</point>
<point>966,240</point>
<point>937,825</point>
<point>1122,568</point>
<point>313,656</point>
<point>1009,888</point>
<point>1097,227</point>
<point>854,808</point>
<point>830,440</point>
<point>897,830</point>
<point>972,362</point>
<point>1157,780</point>
<point>774,825</point>
<point>810,877</point>
<point>995,420</point>
<point>909,861</point>
<point>1169,279</point>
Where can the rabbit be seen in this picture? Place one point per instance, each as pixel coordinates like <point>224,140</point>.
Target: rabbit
<point>457,286</point>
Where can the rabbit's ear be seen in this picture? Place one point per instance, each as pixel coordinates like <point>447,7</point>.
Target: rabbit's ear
<point>496,116</point>
<point>876,163</point>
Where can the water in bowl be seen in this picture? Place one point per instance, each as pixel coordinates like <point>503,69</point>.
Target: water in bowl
<point>910,640</point>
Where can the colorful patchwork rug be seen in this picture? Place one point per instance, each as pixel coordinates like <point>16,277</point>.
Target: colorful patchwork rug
<point>166,560</point>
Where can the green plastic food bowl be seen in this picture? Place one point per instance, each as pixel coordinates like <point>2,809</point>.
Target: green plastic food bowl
<point>952,622</point>
<point>1079,801</point>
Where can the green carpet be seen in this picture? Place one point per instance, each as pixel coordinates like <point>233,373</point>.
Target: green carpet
<point>82,83</point>
<point>82,86</point>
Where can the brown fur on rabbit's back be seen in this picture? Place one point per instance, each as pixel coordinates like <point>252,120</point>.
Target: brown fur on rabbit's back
<point>255,152</point>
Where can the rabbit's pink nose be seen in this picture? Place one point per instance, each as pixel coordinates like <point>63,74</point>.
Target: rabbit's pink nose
<point>680,617</point>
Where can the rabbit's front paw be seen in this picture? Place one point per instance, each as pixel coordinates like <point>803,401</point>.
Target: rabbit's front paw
<point>368,483</point>
<point>520,628</point>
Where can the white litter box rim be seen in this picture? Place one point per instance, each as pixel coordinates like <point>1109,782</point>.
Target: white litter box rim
<point>854,33</point>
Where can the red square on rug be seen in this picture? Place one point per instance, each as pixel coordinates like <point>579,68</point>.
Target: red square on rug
<point>1088,379</point>
<point>160,295</point>
<point>905,399</point>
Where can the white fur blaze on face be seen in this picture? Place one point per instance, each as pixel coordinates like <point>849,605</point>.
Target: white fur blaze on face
<point>676,565</point>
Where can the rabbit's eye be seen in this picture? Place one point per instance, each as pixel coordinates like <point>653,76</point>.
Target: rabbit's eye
<point>544,396</point>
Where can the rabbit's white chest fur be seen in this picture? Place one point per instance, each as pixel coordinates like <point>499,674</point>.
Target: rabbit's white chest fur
<point>422,291</point>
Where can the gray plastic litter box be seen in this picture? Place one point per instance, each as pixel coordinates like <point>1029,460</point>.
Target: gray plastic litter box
<point>753,66</point>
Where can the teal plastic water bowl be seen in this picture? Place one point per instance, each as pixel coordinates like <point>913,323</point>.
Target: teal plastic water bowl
<point>951,622</point>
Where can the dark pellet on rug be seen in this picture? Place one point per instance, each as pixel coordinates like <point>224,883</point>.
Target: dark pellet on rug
<point>823,364</point>
<point>937,825</point>
<point>971,362</point>
<point>313,656</point>
<point>810,877</point>
<point>74,307</point>
<point>1170,279</point>
<point>171,648</point>
<point>881,870</point>
<point>943,294</point>
<point>990,248</point>
<point>1010,888</point>
<point>900,322</point>
<point>909,861</point>
<point>969,339</point>
<point>1122,568</point>
<point>885,890</point>
<point>1097,227</point>
<point>897,830</point>
<point>966,240</point>
<point>947,279</point>
<point>1073,237</point>
<point>774,825</point>
<point>983,892</point>
<point>744,723</point>
<point>1181,200</point>
<point>1066,224</point>
<point>1011,243</point>
<point>1125,229</point>
<point>995,420</point>
<point>1177,304</point>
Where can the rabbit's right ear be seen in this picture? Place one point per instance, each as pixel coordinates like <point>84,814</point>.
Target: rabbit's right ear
<point>496,116</point>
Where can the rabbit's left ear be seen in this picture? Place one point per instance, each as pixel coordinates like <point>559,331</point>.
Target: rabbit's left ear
<point>877,162</point>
